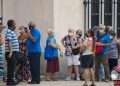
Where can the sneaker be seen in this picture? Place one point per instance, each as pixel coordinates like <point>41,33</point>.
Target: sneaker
<point>85,84</point>
<point>78,78</point>
<point>106,80</point>
<point>68,79</point>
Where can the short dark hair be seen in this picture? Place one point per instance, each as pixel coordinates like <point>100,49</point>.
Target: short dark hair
<point>10,23</point>
<point>107,29</point>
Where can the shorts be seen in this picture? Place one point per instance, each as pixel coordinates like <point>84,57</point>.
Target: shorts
<point>73,60</point>
<point>87,61</point>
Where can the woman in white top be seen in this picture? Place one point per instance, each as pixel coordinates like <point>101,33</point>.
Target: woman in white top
<point>87,61</point>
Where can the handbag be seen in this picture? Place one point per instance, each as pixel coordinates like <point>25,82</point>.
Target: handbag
<point>76,51</point>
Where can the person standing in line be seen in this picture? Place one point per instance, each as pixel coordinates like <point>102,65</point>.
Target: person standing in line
<point>87,58</point>
<point>80,41</point>
<point>34,52</point>
<point>23,67</point>
<point>2,52</point>
<point>12,51</point>
<point>118,41</point>
<point>113,59</point>
<point>99,60</point>
<point>51,55</point>
<point>72,54</point>
<point>106,41</point>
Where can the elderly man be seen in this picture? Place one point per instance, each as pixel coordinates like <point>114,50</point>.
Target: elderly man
<point>34,52</point>
<point>12,51</point>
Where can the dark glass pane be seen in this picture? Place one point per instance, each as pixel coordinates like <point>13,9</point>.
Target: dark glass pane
<point>118,20</point>
<point>108,6</point>
<point>118,6</point>
<point>95,6</point>
<point>108,12</point>
<point>94,20</point>
<point>94,12</point>
<point>118,15</point>
<point>108,20</point>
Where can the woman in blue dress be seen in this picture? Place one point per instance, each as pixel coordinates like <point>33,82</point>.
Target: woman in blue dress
<point>51,56</point>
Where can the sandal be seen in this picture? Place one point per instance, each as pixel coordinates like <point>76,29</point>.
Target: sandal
<point>92,85</point>
<point>85,84</point>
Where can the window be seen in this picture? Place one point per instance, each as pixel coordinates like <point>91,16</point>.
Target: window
<point>118,14</point>
<point>94,13</point>
<point>105,12</point>
<point>108,12</point>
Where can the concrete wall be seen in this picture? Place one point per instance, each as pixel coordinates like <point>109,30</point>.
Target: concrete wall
<point>68,14</point>
<point>23,11</point>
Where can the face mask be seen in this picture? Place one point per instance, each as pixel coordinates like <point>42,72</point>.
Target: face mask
<point>31,27</point>
<point>101,32</point>
<point>70,34</point>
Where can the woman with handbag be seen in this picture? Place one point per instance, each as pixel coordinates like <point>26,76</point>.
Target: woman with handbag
<point>72,54</point>
<point>51,56</point>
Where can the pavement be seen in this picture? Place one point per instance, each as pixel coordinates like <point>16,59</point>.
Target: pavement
<point>62,83</point>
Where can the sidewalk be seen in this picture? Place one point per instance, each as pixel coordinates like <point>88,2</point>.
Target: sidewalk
<point>63,83</point>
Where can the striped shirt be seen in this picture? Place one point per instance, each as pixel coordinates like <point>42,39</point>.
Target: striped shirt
<point>2,56</point>
<point>11,41</point>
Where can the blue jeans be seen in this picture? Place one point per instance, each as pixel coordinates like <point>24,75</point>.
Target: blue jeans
<point>101,72</point>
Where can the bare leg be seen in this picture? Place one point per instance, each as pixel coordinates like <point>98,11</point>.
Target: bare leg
<point>48,76</point>
<point>86,76</point>
<point>53,76</point>
<point>70,68</point>
<point>92,76</point>
<point>77,72</point>
<point>69,72</point>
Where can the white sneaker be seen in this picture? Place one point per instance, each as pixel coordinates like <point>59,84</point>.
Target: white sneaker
<point>78,78</point>
<point>68,78</point>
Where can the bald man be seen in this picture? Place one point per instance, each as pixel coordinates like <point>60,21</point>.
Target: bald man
<point>34,52</point>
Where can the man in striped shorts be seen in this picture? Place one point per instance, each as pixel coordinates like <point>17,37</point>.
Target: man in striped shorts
<point>12,51</point>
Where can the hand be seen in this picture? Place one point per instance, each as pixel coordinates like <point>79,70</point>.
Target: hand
<point>10,55</point>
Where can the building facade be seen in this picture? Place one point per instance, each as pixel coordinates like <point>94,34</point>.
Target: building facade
<point>62,15</point>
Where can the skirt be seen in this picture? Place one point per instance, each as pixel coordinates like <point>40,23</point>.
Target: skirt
<point>52,65</point>
<point>87,61</point>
